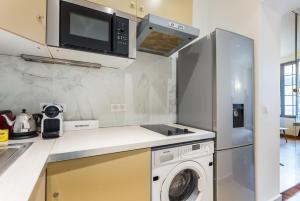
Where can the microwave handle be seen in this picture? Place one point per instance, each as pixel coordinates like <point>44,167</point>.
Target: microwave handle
<point>113,32</point>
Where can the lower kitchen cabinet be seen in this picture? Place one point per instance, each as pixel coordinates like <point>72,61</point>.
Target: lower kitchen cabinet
<point>39,190</point>
<point>124,176</point>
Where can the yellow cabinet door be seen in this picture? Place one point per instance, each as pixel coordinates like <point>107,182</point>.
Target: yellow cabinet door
<point>178,10</point>
<point>39,191</point>
<point>26,18</point>
<point>127,6</point>
<point>121,176</point>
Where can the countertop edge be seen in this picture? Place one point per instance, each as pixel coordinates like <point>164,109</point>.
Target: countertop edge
<point>127,147</point>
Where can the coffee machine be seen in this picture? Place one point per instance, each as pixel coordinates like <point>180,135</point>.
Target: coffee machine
<point>52,122</point>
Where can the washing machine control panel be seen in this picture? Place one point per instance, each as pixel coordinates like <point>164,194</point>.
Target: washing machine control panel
<point>198,149</point>
<point>171,155</point>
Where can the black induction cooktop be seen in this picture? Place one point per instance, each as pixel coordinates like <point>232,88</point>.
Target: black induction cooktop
<point>167,130</point>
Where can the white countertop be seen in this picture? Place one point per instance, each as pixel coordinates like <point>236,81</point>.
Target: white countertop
<point>18,181</point>
<point>77,144</point>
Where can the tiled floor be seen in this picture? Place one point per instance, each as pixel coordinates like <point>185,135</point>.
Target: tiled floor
<point>290,158</point>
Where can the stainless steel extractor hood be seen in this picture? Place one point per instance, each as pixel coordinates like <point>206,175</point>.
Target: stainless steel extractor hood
<point>162,36</point>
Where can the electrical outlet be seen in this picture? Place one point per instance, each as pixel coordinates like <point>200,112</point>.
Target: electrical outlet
<point>114,107</point>
<point>118,107</point>
<point>123,107</point>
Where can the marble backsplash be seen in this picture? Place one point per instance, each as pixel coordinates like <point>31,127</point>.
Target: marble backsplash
<point>147,87</point>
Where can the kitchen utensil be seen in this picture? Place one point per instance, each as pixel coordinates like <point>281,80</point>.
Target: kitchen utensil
<point>38,120</point>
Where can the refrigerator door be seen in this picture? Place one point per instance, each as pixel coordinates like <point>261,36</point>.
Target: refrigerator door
<point>234,90</point>
<point>235,174</point>
<point>195,66</point>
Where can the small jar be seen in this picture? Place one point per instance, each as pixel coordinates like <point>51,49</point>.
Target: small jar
<point>3,137</point>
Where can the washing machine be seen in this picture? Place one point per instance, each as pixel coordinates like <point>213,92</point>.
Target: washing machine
<point>183,172</point>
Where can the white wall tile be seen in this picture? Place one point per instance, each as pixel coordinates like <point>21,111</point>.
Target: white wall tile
<point>147,87</point>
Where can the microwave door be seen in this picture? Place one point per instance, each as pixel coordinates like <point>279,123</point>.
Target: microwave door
<point>85,28</point>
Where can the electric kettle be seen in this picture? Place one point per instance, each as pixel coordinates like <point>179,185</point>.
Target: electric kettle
<point>25,125</point>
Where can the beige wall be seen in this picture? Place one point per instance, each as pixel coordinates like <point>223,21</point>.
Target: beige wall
<point>239,16</point>
<point>267,104</point>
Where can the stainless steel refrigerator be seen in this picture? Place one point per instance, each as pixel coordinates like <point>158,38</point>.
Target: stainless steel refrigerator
<point>215,92</point>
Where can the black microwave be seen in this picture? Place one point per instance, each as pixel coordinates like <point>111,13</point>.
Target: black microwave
<point>86,26</point>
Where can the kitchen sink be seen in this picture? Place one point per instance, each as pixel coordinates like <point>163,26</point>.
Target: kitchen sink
<point>9,154</point>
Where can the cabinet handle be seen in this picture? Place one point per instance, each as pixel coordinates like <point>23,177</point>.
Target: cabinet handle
<point>55,194</point>
<point>40,18</point>
<point>132,4</point>
<point>142,8</point>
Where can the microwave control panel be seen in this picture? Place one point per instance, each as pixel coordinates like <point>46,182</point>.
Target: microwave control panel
<point>121,36</point>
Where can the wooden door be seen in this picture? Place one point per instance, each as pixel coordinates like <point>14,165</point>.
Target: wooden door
<point>127,6</point>
<point>26,18</point>
<point>178,10</point>
<point>121,176</point>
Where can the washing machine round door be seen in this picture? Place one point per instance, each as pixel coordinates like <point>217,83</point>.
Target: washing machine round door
<point>186,182</point>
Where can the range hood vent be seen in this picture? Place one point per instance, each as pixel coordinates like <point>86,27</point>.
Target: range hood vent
<point>157,35</point>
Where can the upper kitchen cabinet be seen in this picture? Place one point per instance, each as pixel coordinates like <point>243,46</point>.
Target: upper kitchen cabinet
<point>127,6</point>
<point>178,10</point>
<point>24,18</point>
